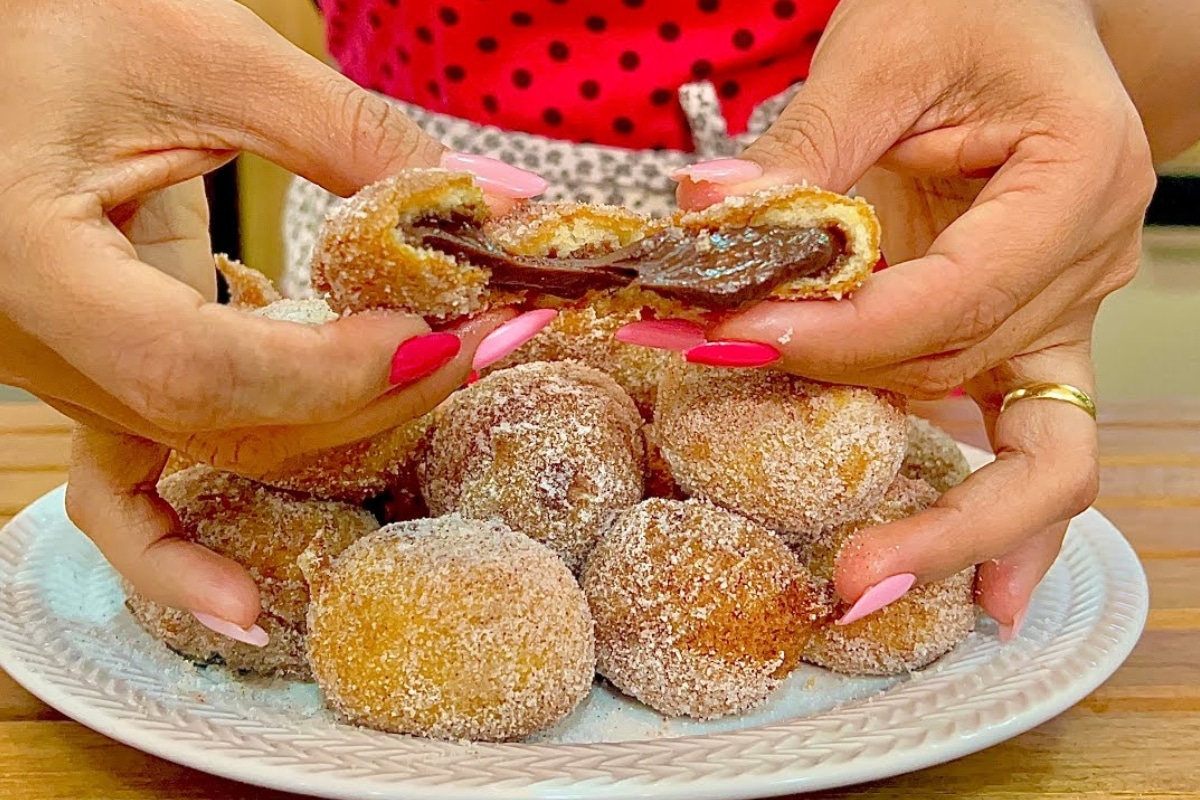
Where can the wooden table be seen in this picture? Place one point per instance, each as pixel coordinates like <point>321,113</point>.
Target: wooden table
<point>1136,736</point>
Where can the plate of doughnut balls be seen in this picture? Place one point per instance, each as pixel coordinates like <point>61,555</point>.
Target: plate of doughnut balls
<point>587,513</point>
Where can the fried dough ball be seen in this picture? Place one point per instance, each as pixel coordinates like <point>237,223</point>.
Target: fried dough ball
<point>933,456</point>
<point>699,612</point>
<point>365,257</point>
<point>265,530</point>
<point>794,455</point>
<point>554,450</point>
<point>907,635</point>
<point>351,472</point>
<point>450,628</point>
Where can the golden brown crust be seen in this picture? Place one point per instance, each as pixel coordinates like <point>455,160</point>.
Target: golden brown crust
<point>248,288</point>
<point>792,454</point>
<point>699,612</point>
<point>804,207</point>
<point>552,449</point>
<point>264,530</point>
<point>452,629</point>
<point>363,260</point>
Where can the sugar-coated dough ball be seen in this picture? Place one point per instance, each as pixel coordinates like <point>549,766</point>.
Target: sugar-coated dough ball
<point>265,530</point>
<point>450,628</point>
<point>699,612</point>
<point>554,449</point>
<point>795,455</point>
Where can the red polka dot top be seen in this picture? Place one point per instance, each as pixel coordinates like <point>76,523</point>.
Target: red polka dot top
<point>580,70</point>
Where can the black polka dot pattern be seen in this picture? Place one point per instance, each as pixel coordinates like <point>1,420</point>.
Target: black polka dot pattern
<point>613,88</point>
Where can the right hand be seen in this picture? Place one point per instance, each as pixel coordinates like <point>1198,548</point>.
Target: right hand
<point>107,110</point>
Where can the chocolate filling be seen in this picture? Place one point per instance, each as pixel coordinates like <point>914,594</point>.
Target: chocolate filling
<point>718,269</point>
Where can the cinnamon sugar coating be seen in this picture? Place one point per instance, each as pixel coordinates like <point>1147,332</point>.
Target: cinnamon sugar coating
<point>265,530</point>
<point>554,449</point>
<point>933,456</point>
<point>452,629</point>
<point>699,612</point>
<point>792,454</point>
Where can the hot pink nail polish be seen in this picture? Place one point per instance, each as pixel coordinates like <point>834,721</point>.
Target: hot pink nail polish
<point>882,594</point>
<point>495,176</point>
<point>511,335</point>
<point>733,354</point>
<point>725,171</point>
<point>1009,632</point>
<point>253,635</point>
<point>422,356</point>
<point>662,334</point>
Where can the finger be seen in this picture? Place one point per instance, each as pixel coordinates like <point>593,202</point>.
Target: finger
<point>1004,585</point>
<point>183,364</point>
<point>982,269</point>
<point>169,231</point>
<point>1045,472</point>
<point>111,497</point>
<point>255,451</point>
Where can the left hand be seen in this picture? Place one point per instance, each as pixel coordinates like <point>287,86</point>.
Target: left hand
<point>1011,174</point>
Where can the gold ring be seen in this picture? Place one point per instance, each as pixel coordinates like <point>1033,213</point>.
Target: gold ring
<point>1051,391</point>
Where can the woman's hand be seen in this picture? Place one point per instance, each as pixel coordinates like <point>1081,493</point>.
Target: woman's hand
<point>1011,173</point>
<point>109,112</point>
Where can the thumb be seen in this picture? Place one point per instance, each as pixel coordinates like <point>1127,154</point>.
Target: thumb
<point>112,497</point>
<point>835,128</point>
<point>299,113</point>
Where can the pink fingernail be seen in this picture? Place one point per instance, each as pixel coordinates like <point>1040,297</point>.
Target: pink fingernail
<point>733,354</point>
<point>511,335</point>
<point>884,593</point>
<point>253,635</point>
<point>495,176</point>
<point>725,171</point>
<point>1009,632</point>
<point>662,334</point>
<point>422,356</point>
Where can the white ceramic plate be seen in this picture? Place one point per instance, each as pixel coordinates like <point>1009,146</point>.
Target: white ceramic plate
<point>65,636</point>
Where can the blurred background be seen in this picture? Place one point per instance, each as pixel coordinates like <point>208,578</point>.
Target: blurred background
<point>1148,334</point>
